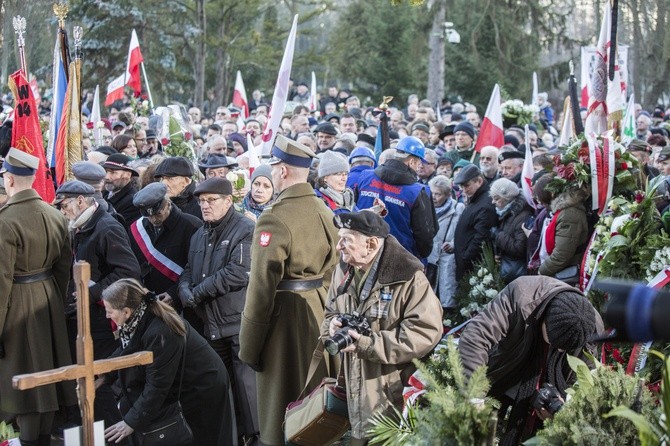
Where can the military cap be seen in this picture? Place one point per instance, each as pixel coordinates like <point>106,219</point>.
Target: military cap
<point>291,152</point>
<point>214,161</point>
<point>72,189</point>
<point>88,172</point>
<point>327,128</point>
<point>510,155</point>
<point>150,198</point>
<point>664,154</point>
<point>469,172</point>
<point>214,185</point>
<point>366,222</point>
<point>151,134</point>
<point>119,161</point>
<point>20,163</point>
<point>176,166</point>
<point>637,145</point>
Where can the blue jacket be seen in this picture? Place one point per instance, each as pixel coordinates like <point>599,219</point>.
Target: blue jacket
<point>355,175</point>
<point>411,214</point>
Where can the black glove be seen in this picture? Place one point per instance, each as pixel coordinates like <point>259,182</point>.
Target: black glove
<point>186,297</point>
<point>2,350</point>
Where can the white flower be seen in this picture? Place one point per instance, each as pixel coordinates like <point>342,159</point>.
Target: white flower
<point>232,177</point>
<point>491,293</point>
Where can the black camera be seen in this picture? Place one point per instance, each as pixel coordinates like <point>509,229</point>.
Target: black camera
<point>547,397</point>
<point>636,312</point>
<point>341,338</point>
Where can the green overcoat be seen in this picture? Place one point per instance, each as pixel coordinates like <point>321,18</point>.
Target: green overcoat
<point>295,238</point>
<point>34,237</point>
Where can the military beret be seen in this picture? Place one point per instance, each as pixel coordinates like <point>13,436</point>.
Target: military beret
<point>73,188</point>
<point>510,155</point>
<point>176,166</point>
<point>291,152</point>
<point>88,172</point>
<point>366,222</point>
<point>327,128</point>
<point>214,185</point>
<point>465,127</point>
<point>214,161</point>
<point>20,163</point>
<point>469,172</point>
<point>150,198</point>
<point>119,161</point>
<point>664,154</point>
<point>637,145</point>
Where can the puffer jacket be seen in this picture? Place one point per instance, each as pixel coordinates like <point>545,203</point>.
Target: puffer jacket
<point>217,273</point>
<point>406,322</point>
<point>499,336</point>
<point>572,232</point>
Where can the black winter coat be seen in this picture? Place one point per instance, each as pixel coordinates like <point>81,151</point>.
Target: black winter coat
<point>103,243</point>
<point>149,392</point>
<point>172,241</point>
<point>510,240</point>
<point>122,202</point>
<point>217,273</point>
<point>473,230</point>
<point>188,202</point>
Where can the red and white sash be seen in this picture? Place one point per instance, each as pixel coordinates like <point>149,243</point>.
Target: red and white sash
<point>157,259</point>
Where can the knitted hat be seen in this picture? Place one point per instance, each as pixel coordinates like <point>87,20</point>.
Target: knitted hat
<point>332,162</point>
<point>466,127</point>
<point>505,189</point>
<point>570,321</point>
<point>264,170</point>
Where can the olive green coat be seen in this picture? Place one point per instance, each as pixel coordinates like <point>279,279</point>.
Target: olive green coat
<point>34,236</point>
<point>295,238</point>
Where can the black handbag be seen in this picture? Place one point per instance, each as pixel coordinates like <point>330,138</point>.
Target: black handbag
<point>172,430</point>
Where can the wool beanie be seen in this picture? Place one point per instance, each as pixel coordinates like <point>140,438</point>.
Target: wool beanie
<point>570,321</point>
<point>264,170</point>
<point>332,162</point>
<point>466,127</point>
<point>505,189</point>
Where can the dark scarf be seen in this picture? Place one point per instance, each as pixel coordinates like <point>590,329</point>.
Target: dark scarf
<point>127,330</point>
<point>250,205</point>
<point>446,207</point>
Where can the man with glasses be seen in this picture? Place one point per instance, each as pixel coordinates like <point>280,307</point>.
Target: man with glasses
<point>222,114</point>
<point>426,170</point>
<point>214,283</point>
<point>488,163</point>
<point>177,174</point>
<point>478,217</point>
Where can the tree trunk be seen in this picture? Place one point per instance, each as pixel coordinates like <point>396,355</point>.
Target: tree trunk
<point>660,59</point>
<point>436,39</point>
<point>637,49</point>
<point>199,61</point>
<point>220,86</point>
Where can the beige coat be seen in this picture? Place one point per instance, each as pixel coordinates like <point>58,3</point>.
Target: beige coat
<point>405,327</point>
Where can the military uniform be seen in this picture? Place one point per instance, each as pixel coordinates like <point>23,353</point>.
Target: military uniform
<point>293,255</point>
<point>34,273</point>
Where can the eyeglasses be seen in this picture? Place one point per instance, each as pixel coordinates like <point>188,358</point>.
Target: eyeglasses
<point>204,201</point>
<point>486,158</point>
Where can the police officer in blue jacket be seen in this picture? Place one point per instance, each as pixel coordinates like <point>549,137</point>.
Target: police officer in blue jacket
<point>411,214</point>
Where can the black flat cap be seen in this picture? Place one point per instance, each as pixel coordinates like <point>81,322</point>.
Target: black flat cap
<point>512,154</point>
<point>214,185</point>
<point>469,172</point>
<point>119,161</point>
<point>150,198</point>
<point>73,188</point>
<point>176,166</point>
<point>364,137</point>
<point>366,222</point>
<point>327,128</point>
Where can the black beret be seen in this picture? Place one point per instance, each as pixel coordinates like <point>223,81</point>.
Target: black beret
<point>107,150</point>
<point>469,172</point>
<point>214,185</point>
<point>150,198</point>
<point>364,137</point>
<point>366,222</point>
<point>510,155</point>
<point>327,128</point>
<point>448,131</point>
<point>513,140</point>
<point>119,161</point>
<point>176,166</point>
<point>73,188</point>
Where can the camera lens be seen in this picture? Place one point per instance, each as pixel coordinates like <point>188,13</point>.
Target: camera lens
<point>340,340</point>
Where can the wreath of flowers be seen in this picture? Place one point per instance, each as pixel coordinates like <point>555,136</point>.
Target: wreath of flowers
<point>514,111</point>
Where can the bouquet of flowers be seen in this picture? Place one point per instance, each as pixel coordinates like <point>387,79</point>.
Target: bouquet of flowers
<point>514,111</point>
<point>141,106</point>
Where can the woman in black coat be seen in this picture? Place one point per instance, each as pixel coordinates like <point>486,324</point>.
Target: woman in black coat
<point>150,393</point>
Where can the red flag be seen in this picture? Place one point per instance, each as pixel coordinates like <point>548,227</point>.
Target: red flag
<point>133,68</point>
<point>27,135</point>
<point>240,96</point>
<point>491,133</point>
<point>114,91</point>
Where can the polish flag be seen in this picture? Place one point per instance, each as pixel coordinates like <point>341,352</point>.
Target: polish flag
<point>115,90</point>
<point>281,91</point>
<point>133,68</point>
<point>527,174</point>
<point>491,132</point>
<point>585,79</point>
<point>240,96</point>
<point>312,95</point>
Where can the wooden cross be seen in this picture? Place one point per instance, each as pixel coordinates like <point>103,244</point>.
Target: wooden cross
<point>86,368</point>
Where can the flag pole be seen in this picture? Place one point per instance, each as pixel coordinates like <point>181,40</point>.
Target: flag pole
<point>146,81</point>
<point>19,24</point>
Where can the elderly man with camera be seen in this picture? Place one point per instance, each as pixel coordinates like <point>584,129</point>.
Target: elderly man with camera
<point>381,314</point>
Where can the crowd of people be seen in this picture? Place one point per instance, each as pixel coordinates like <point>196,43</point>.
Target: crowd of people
<point>234,276</point>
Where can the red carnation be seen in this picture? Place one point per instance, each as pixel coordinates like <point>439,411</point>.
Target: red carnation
<point>165,141</point>
<point>567,172</point>
<point>624,165</point>
<point>188,136</point>
<point>89,125</point>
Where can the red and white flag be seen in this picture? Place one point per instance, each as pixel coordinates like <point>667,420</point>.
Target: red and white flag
<point>313,106</point>
<point>527,174</point>
<point>281,91</point>
<point>96,117</point>
<point>491,132</point>
<point>240,96</point>
<point>596,117</point>
<point>135,59</point>
<point>115,90</point>
<point>585,79</point>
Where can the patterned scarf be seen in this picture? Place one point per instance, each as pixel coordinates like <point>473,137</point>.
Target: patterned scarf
<point>250,204</point>
<point>127,330</point>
